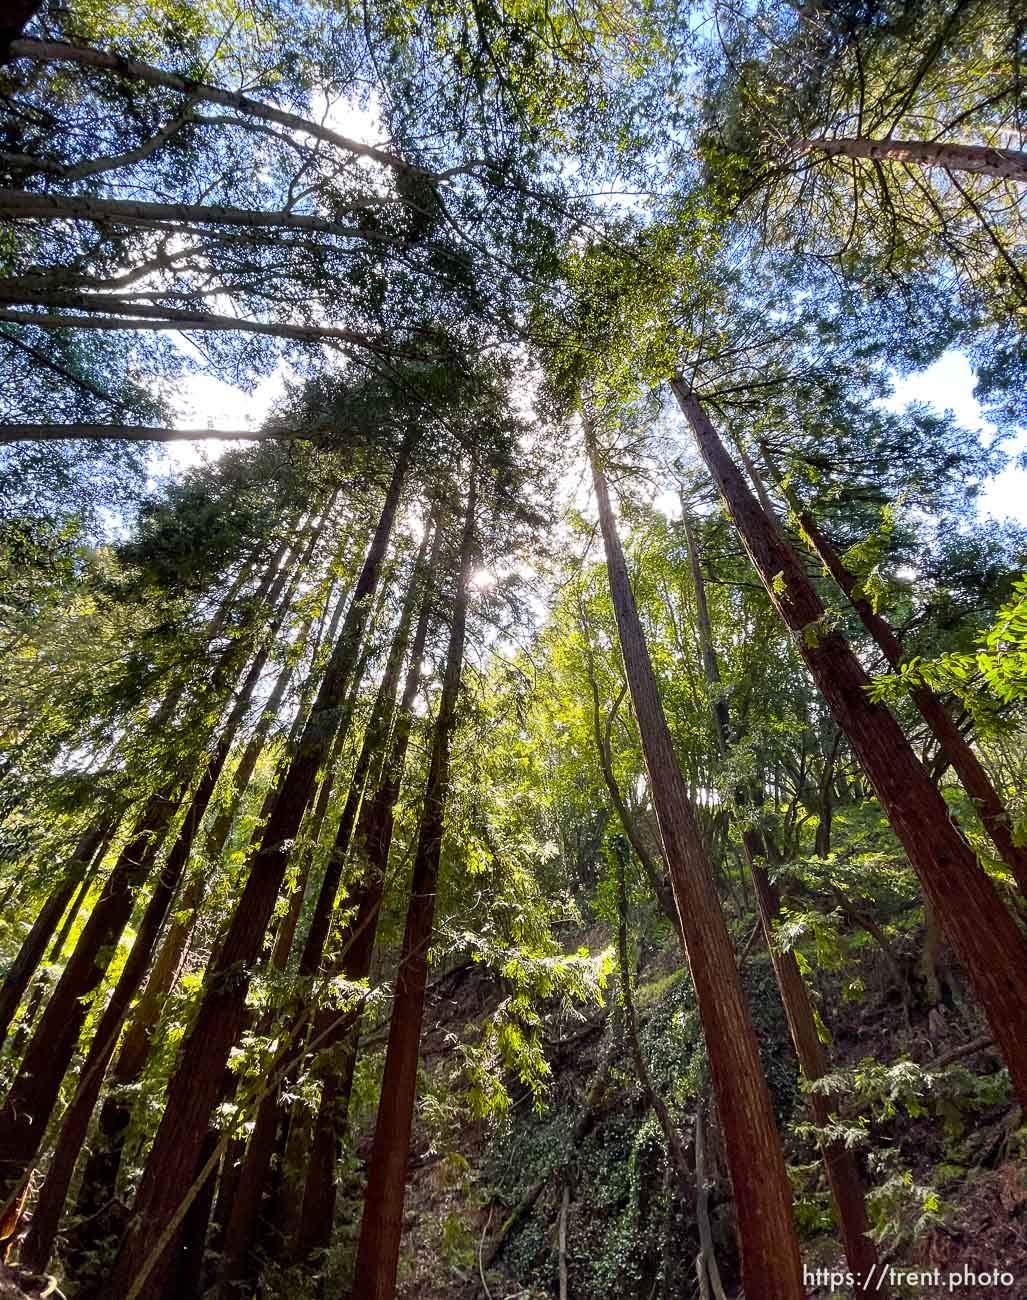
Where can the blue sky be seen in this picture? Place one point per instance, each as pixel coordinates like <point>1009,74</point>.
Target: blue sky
<point>947,385</point>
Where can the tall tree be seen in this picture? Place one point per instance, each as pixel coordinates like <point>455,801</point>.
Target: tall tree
<point>382,1223</point>
<point>144,1259</point>
<point>967,905</point>
<point>767,1240</point>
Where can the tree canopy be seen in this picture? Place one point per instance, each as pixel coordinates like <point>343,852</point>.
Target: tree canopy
<point>539,809</point>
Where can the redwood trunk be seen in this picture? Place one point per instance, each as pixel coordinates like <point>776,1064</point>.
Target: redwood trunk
<point>31,952</point>
<point>31,1098</point>
<point>15,204</point>
<point>71,916</point>
<point>767,1242</point>
<point>951,741</point>
<point>980,930</point>
<point>337,1037</point>
<point>263,1143</point>
<point>75,1123</point>
<point>141,1268</point>
<point>246,766</point>
<point>382,1224</point>
<point>141,433</point>
<point>840,1164</point>
<point>375,737</point>
<point>99,1179</point>
<point>1005,164</point>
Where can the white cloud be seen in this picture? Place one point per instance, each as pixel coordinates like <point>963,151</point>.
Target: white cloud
<point>948,385</point>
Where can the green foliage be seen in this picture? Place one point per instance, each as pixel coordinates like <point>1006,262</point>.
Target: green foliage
<point>984,681</point>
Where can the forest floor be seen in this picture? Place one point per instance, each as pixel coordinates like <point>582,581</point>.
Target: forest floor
<point>627,1234</point>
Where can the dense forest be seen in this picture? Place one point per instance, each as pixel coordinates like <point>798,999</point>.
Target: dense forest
<point>513,766</point>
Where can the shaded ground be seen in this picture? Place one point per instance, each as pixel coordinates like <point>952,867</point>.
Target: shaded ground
<point>628,1234</point>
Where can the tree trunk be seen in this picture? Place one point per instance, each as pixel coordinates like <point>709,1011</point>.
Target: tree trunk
<point>31,952</point>
<point>50,1205</point>
<point>31,1098</point>
<point>242,1223</point>
<point>34,1091</point>
<point>19,14</point>
<point>338,1038</point>
<point>653,871</point>
<point>375,737</point>
<point>382,1223</point>
<point>58,52</point>
<point>128,314</point>
<point>186,1278</point>
<point>71,916</point>
<point>143,433</point>
<point>15,204</point>
<point>767,1242</point>
<point>287,1209</point>
<point>953,744</point>
<point>981,931</point>
<point>223,823</point>
<point>244,769</point>
<point>99,1180</point>
<point>1004,164</point>
<point>141,1268</point>
<point>711,667</point>
<point>565,1205</point>
<point>842,1174</point>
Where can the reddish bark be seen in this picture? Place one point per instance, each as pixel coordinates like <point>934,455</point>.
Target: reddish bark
<point>980,930</point>
<point>38,1245</point>
<point>245,1190</point>
<point>382,1223</point>
<point>840,1164</point>
<point>951,741</point>
<point>141,1268</point>
<point>766,1230</point>
<point>337,1036</point>
<point>99,1179</point>
<point>31,1098</point>
<point>75,907</point>
<point>31,952</point>
<point>842,1174</point>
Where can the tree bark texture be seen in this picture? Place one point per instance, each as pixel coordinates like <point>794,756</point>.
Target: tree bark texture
<point>31,952</point>
<point>141,1268</point>
<point>140,433</point>
<point>1004,164</point>
<point>128,314</point>
<point>242,1223</point>
<point>953,744</point>
<point>981,931</point>
<point>847,1192</point>
<point>338,1039</point>
<point>31,1098</point>
<point>75,1123</point>
<point>767,1240</point>
<point>16,204</point>
<point>382,1223</point>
